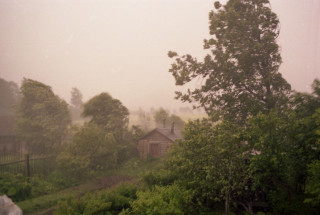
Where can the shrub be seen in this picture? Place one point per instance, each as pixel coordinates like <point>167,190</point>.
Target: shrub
<point>160,178</point>
<point>16,187</point>
<point>100,202</point>
<point>161,200</point>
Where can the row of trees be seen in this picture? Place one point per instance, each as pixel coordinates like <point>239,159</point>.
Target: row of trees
<point>160,118</point>
<point>43,125</point>
<point>273,159</point>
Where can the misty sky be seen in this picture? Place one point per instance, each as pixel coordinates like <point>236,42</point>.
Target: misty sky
<point>120,46</point>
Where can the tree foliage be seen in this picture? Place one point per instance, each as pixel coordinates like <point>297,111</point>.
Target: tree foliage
<point>108,113</point>
<point>178,122</point>
<point>240,74</point>
<point>305,104</point>
<point>163,118</point>
<point>144,119</point>
<point>42,117</point>
<point>76,102</point>
<point>112,117</point>
<point>76,98</point>
<point>91,150</point>
<point>212,161</point>
<point>161,200</point>
<point>10,95</point>
<point>284,145</point>
<point>313,183</point>
<point>313,168</point>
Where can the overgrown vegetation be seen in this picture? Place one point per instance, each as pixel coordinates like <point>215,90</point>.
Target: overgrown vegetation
<point>99,202</point>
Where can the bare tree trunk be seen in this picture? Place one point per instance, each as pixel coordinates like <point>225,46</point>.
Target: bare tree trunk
<point>227,203</point>
<point>247,206</point>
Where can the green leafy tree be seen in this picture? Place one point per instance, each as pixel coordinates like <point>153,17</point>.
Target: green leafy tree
<point>240,73</point>
<point>42,117</point>
<point>128,147</point>
<point>76,98</point>
<point>212,161</point>
<point>284,144</point>
<point>109,114</point>
<point>76,102</point>
<point>282,147</point>
<point>305,104</point>
<point>10,95</point>
<point>270,140</point>
<point>306,136</point>
<point>161,117</point>
<point>313,168</point>
<point>91,150</point>
<point>178,122</point>
<point>144,119</point>
<point>161,200</point>
<point>313,183</point>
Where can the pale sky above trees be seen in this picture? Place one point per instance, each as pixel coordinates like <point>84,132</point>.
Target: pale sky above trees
<point>121,46</point>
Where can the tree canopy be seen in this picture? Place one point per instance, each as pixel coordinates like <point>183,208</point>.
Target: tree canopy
<point>91,150</point>
<point>76,106</point>
<point>240,73</point>
<point>76,98</point>
<point>10,95</point>
<point>108,113</point>
<point>163,118</point>
<point>42,117</point>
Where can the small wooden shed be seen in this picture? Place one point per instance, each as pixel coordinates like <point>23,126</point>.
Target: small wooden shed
<point>157,142</point>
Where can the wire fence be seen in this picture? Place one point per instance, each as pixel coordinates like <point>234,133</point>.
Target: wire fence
<point>26,164</point>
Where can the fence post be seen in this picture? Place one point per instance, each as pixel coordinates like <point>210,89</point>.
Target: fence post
<point>27,166</point>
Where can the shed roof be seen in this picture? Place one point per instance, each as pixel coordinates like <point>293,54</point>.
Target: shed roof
<point>176,134</point>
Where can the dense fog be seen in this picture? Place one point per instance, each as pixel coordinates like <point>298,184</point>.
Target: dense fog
<point>121,47</point>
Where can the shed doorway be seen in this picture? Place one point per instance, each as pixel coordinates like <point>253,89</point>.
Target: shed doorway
<point>155,149</point>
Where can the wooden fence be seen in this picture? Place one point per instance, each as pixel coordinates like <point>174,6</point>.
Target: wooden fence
<point>26,164</point>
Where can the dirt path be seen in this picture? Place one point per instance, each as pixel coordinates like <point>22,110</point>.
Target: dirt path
<point>98,184</point>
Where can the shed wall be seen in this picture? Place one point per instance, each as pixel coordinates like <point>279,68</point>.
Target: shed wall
<point>154,138</point>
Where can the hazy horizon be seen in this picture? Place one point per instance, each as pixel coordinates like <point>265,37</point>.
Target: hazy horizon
<point>121,46</point>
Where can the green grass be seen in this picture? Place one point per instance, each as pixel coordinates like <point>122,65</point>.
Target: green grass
<point>127,172</point>
<point>47,201</point>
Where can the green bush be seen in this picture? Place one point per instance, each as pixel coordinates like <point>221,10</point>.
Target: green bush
<point>19,187</point>
<point>160,177</point>
<point>16,187</point>
<point>61,180</point>
<point>160,200</point>
<point>40,186</point>
<point>100,202</point>
<point>91,151</point>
